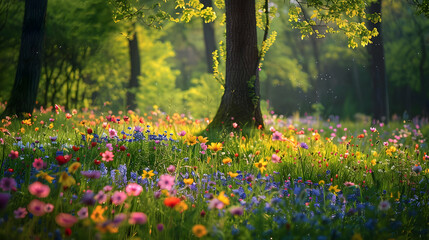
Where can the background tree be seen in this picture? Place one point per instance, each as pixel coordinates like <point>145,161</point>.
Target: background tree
<point>135,69</point>
<point>24,91</point>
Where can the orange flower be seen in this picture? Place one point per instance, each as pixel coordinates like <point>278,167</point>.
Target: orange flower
<point>199,230</point>
<point>171,201</point>
<point>97,214</point>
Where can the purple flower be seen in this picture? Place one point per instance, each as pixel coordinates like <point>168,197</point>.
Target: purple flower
<point>83,213</point>
<point>237,210</point>
<point>8,184</point>
<point>417,169</point>
<point>20,212</point>
<point>92,174</point>
<point>182,133</point>
<point>4,199</point>
<point>160,227</point>
<point>277,136</point>
<point>53,139</point>
<point>171,168</point>
<point>303,145</point>
<point>88,198</point>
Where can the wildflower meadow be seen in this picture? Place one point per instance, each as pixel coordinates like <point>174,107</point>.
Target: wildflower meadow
<point>88,175</point>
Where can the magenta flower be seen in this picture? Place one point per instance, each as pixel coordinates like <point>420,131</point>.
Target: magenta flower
<point>36,207</point>
<point>118,198</point>
<point>38,163</point>
<point>4,200</point>
<point>236,210</point>
<point>20,213</point>
<point>39,189</point>
<point>137,218</point>
<point>107,188</point>
<point>8,184</point>
<point>133,189</point>
<point>166,182</point>
<point>83,213</point>
<point>107,156</point>
<point>91,174</point>
<point>109,146</point>
<point>182,133</point>
<point>216,203</point>
<point>349,184</point>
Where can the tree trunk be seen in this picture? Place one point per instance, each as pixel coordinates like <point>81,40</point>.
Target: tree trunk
<point>209,38</point>
<point>24,91</point>
<point>240,101</point>
<point>133,84</point>
<point>378,70</point>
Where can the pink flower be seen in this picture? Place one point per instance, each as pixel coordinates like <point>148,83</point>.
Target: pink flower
<point>38,163</point>
<point>112,133</point>
<point>8,184</point>
<point>166,182</point>
<point>133,189</point>
<point>275,159</point>
<point>65,220</point>
<point>83,213</point>
<point>234,125</point>
<point>107,156</point>
<point>49,208</point>
<point>107,188</point>
<point>20,212</point>
<point>349,184</point>
<point>13,154</point>
<point>182,133</point>
<point>39,189</point>
<point>36,207</point>
<point>109,146</point>
<point>118,198</point>
<point>277,136</point>
<point>171,168</point>
<point>137,218</point>
<point>100,197</point>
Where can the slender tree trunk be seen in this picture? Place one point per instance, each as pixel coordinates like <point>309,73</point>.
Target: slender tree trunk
<point>209,38</point>
<point>133,84</point>
<point>24,91</point>
<point>378,70</point>
<point>240,101</point>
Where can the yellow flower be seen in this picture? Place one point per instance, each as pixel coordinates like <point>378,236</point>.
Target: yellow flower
<point>181,206</point>
<point>188,181</point>
<point>233,175</point>
<point>97,214</point>
<point>147,174</point>
<point>373,162</point>
<point>215,147</point>
<point>202,139</point>
<point>22,130</point>
<point>321,182</point>
<point>227,160</point>
<point>223,198</point>
<point>45,176</point>
<point>66,180</point>
<point>334,189</point>
<point>191,140</point>
<point>261,165</point>
<point>51,126</point>
<point>374,153</point>
<point>199,230</point>
<point>36,129</point>
<point>357,236</point>
<point>74,167</point>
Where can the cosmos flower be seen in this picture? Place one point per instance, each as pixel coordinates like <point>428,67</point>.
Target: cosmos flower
<point>275,158</point>
<point>39,189</point>
<point>36,207</point>
<point>166,182</point>
<point>107,156</point>
<point>38,163</point>
<point>133,189</point>
<point>65,220</point>
<point>112,133</point>
<point>384,205</point>
<point>137,218</point>
<point>20,213</point>
<point>147,174</point>
<point>83,213</point>
<point>118,197</point>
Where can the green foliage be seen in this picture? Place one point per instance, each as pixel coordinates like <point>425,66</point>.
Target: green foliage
<point>335,16</point>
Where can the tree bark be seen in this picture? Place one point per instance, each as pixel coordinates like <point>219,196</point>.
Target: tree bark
<point>209,38</point>
<point>24,91</point>
<point>133,84</point>
<point>378,70</point>
<point>240,102</point>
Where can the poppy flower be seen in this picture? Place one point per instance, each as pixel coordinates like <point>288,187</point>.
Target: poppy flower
<point>36,207</point>
<point>171,201</point>
<point>39,189</point>
<point>63,159</point>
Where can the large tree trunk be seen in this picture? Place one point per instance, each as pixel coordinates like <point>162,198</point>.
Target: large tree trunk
<point>240,101</point>
<point>378,70</point>
<point>209,38</point>
<point>24,91</point>
<point>133,84</point>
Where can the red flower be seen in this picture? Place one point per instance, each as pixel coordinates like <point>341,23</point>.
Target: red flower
<point>361,136</point>
<point>63,159</point>
<point>89,130</point>
<point>171,201</point>
<point>97,162</point>
<point>93,144</point>
<point>68,232</point>
<point>122,148</point>
<point>76,148</point>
